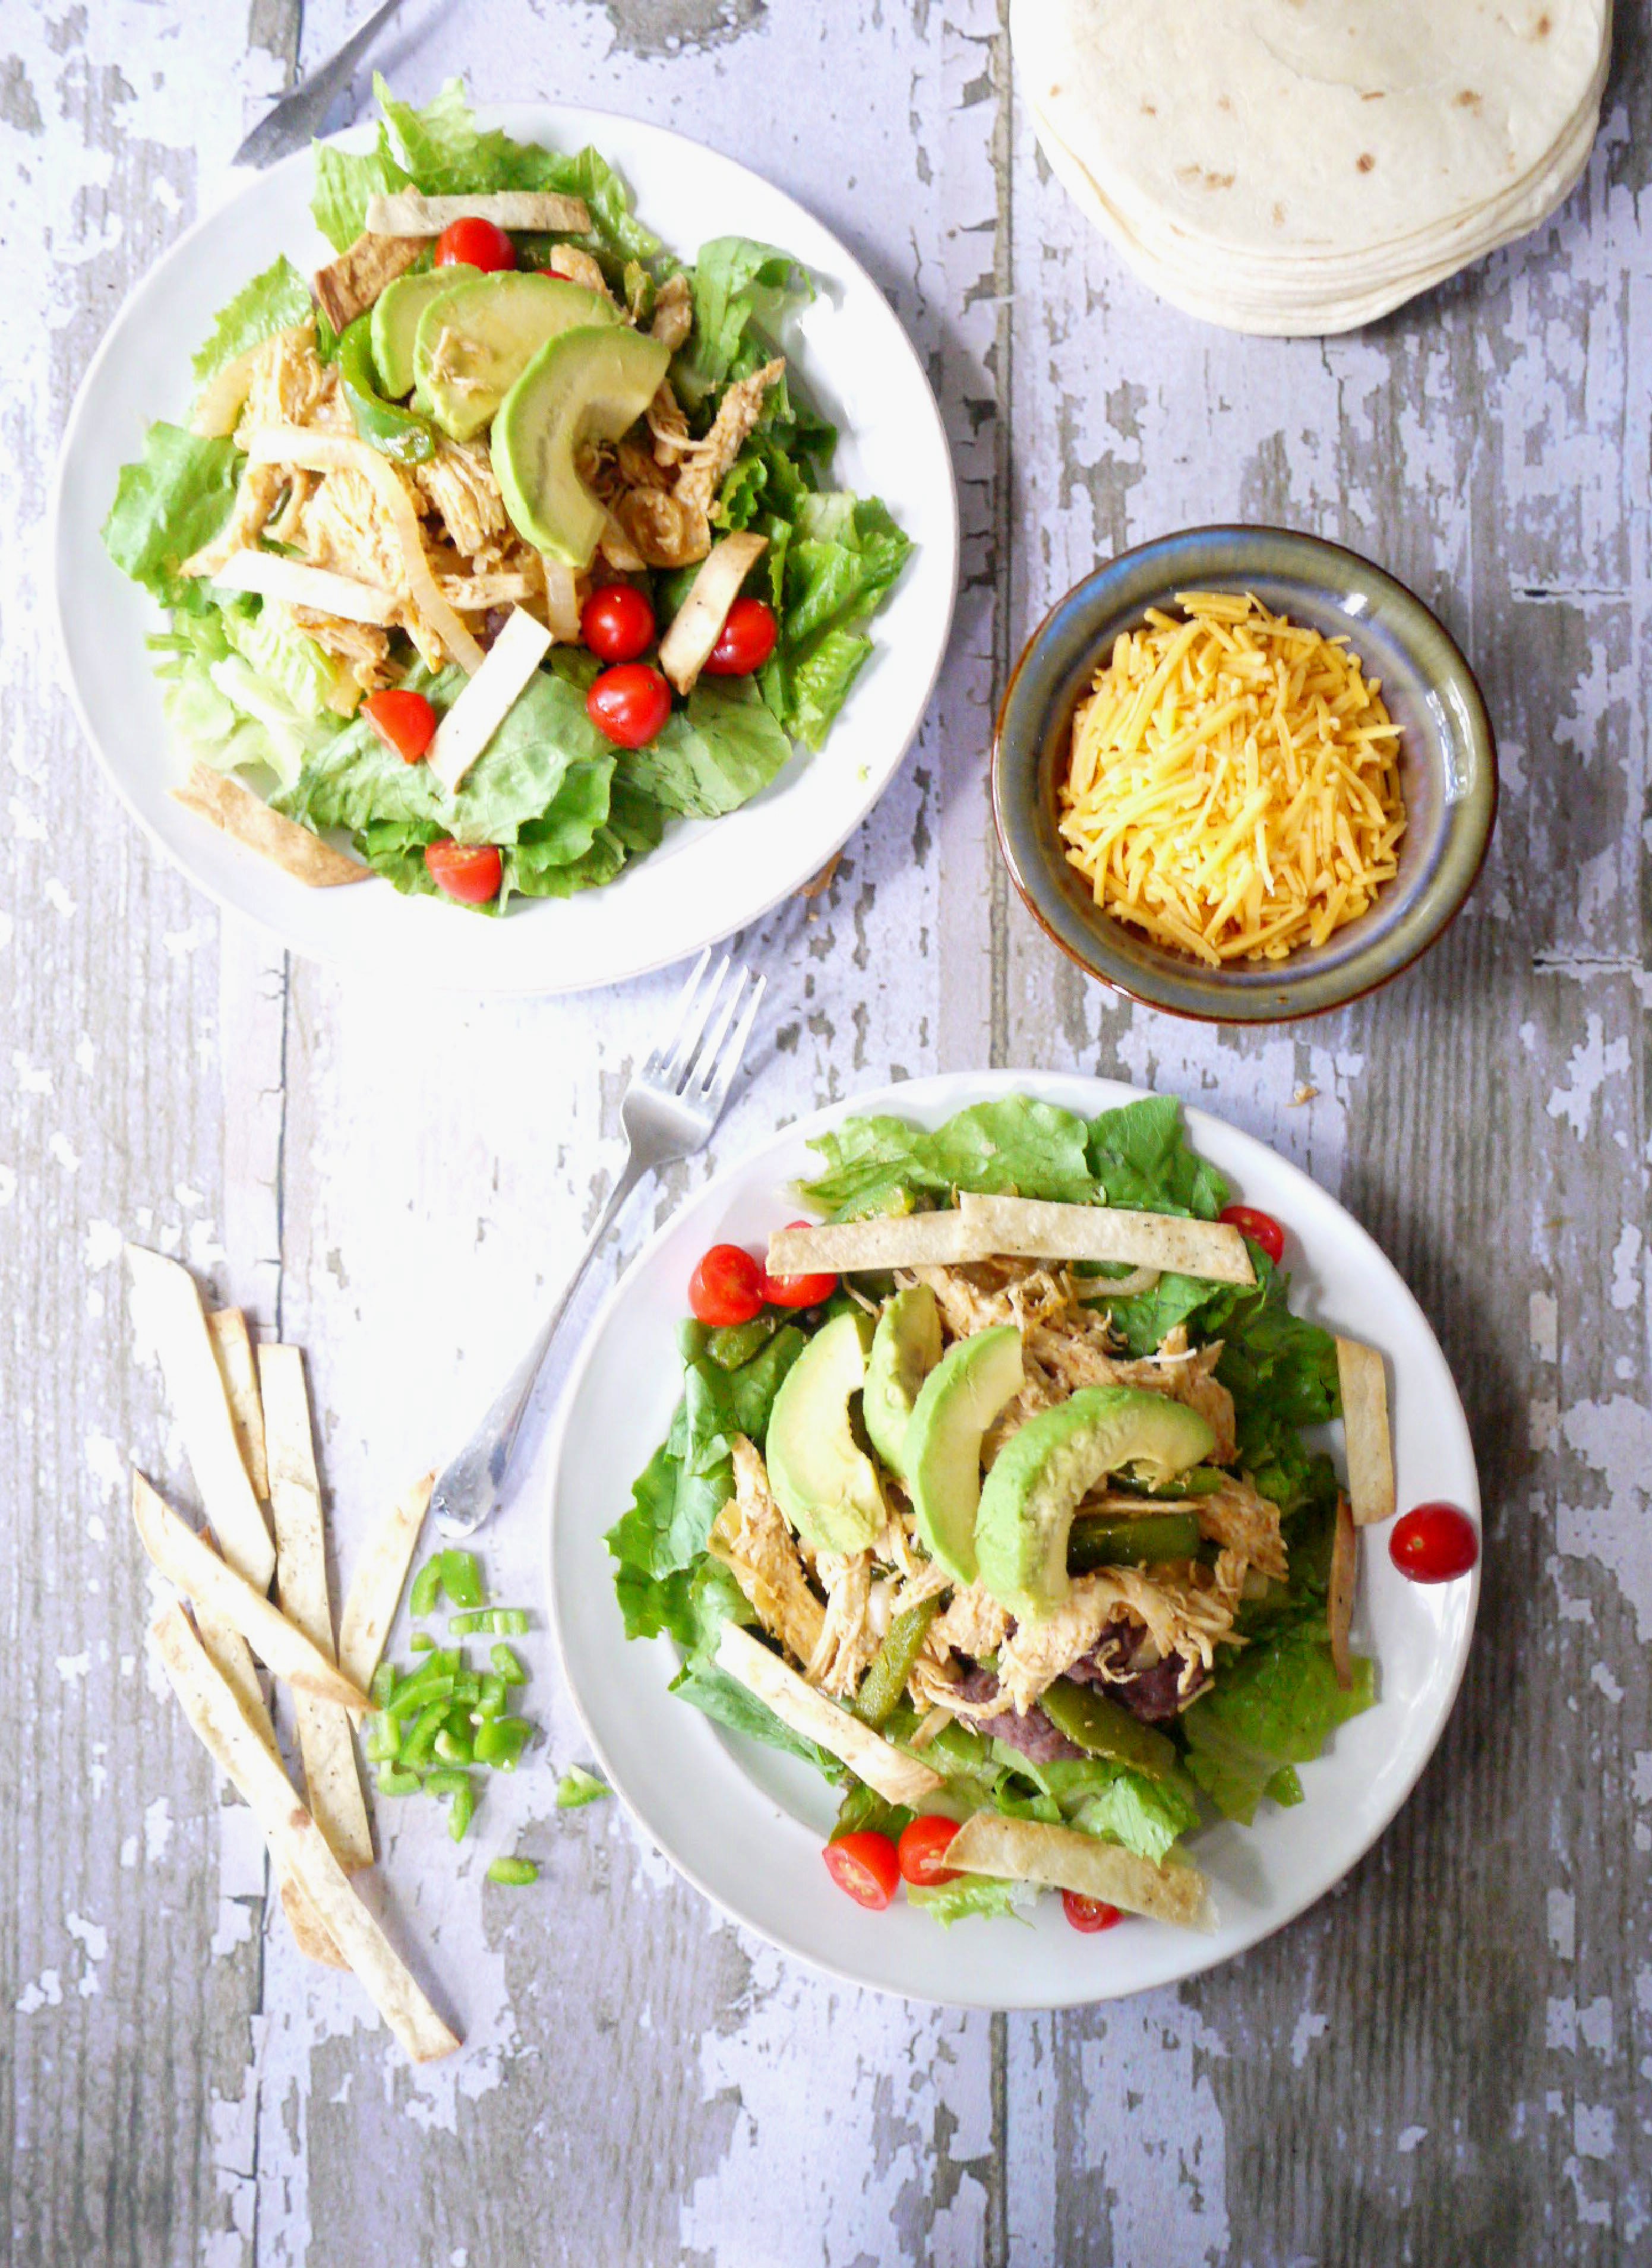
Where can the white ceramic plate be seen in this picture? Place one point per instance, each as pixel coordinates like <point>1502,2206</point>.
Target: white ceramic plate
<point>746,1824</point>
<point>707,879</point>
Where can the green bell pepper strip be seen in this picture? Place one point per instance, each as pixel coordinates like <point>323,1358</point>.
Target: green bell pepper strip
<point>421,1642</point>
<point>445,1783</point>
<point>391,1780</point>
<point>381,1738</point>
<point>500,1741</point>
<point>383,1685</point>
<point>453,1747</point>
<point>463,1810</point>
<point>461,1578</point>
<point>507,1667</point>
<point>395,432</point>
<point>427,1587</point>
<point>420,1687</point>
<point>1141,1540</point>
<point>467,1685</point>
<point>516,1874</point>
<point>490,1700</point>
<point>509,1622</point>
<point>885,1681</point>
<point>419,1744</point>
<point>1103,1726</point>
<point>731,1345</point>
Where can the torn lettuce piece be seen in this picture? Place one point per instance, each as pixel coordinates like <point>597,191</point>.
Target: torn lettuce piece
<point>974,1898</point>
<point>167,506</point>
<point>737,284</point>
<point>1276,1704</point>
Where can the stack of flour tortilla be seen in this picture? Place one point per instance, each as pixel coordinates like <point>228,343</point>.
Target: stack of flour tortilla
<point>1299,167</point>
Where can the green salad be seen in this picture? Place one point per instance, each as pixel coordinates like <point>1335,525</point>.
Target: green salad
<point>506,539</point>
<point>999,1507</point>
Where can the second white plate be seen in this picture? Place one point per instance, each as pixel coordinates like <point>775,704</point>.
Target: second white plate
<point>746,1824</point>
<point>707,879</point>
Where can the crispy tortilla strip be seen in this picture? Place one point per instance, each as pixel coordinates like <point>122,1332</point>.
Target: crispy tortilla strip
<point>1364,1384</point>
<point>238,1367</point>
<point>1028,1229</point>
<point>310,1933</point>
<point>295,1839</point>
<point>348,286</point>
<point>485,702</point>
<point>166,1310</point>
<point>1026,1851</point>
<point>698,621</point>
<point>1344,1570</point>
<point>329,1756</point>
<point>404,212</point>
<point>912,1239</point>
<point>198,1572</point>
<point>897,1778</point>
<point>247,818</point>
<point>374,1597</point>
<point>270,575</point>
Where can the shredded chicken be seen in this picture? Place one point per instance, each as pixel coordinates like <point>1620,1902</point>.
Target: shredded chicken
<point>972,1624</point>
<point>1245,1522</point>
<point>458,486</point>
<point>668,424</point>
<point>1185,1613</point>
<point>751,1538</point>
<point>674,312</point>
<point>363,647</point>
<point>707,464</point>
<point>848,1638</point>
<point>579,268</point>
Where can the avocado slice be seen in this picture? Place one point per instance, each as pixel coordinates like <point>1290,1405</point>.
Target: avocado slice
<point>475,341</point>
<point>960,1397</point>
<point>906,1348</point>
<point>822,1479</point>
<point>1046,1469</point>
<point>396,321</point>
<point>587,385</point>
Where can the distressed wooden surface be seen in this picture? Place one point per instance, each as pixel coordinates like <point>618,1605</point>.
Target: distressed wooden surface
<point>1445,2061</point>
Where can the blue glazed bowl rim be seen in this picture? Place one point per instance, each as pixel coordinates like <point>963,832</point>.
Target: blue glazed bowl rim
<point>1149,574</point>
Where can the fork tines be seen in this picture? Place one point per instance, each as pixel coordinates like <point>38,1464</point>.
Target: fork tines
<point>708,1033</point>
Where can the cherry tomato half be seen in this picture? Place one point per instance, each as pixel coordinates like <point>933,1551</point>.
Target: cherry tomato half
<point>475,244</point>
<point>1088,1914</point>
<point>470,871</point>
<point>865,1865</point>
<point>726,1287</point>
<point>617,622</point>
<point>1260,1227</point>
<point>922,1847</point>
<point>797,1291</point>
<point>746,640</point>
<point>1434,1543</point>
<point>628,704</point>
<point>403,721</point>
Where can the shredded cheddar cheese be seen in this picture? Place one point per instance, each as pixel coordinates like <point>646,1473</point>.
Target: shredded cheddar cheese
<point>1234,789</point>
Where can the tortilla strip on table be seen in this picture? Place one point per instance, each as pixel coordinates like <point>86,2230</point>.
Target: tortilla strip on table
<point>370,1603</point>
<point>238,1367</point>
<point>196,1568</point>
<point>295,1840</point>
<point>1025,1228</point>
<point>247,818</point>
<point>986,1228</point>
<point>1364,1384</point>
<point>348,286</point>
<point>166,1310</point>
<point>407,213</point>
<point>897,1778</point>
<point>1026,1851</point>
<point>325,1747</point>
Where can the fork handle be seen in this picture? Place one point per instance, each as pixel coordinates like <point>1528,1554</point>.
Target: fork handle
<point>468,1492</point>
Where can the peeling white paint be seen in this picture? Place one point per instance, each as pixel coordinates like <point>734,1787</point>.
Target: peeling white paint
<point>1614,1439</point>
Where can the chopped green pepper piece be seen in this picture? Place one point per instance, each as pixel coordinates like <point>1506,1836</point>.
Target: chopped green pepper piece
<point>509,1622</point>
<point>427,1587</point>
<point>467,1685</point>
<point>1103,1726</point>
<point>731,1345</point>
<point>420,1687</point>
<point>507,1666</point>
<point>381,1738</point>
<point>517,1873</point>
<point>421,1642</point>
<point>395,432</point>
<point>461,1578</point>
<point>576,1786</point>
<point>416,1749</point>
<point>454,1747</point>
<point>392,1781</point>
<point>500,1741</point>
<point>445,1783</point>
<point>382,1686</point>
<point>490,1700</point>
<point>463,1809</point>
<point>885,1681</point>
<point>1141,1540</point>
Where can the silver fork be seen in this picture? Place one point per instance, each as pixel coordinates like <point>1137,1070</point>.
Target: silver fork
<point>302,111</point>
<point>669,1110</point>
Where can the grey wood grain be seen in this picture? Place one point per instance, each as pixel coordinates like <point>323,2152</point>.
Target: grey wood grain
<point>1444,2061</point>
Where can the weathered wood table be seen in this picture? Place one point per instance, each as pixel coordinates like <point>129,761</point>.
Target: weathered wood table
<point>1446,2061</point>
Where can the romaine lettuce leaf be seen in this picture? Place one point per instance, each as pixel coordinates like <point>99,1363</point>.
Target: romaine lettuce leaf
<point>840,556</point>
<point>169,505</point>
<point>242,692</point>
<point>345,181</point>
<point>735,283</point>
<point>1276,1704</point>
<point>1012,1146</point>
<point>275,301</point>
<point>973,1897</point>
<point>715,753</point>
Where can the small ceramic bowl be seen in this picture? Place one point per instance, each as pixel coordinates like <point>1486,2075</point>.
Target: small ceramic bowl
<point>1448,767</point>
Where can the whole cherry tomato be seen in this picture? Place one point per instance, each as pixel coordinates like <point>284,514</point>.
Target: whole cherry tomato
<point>1260,1227</point>
<point>470,871</point>
<point>628,704</point>
<point>1434,1543</point>
<point>797,1291</point>
<point>1088,1914</point>
<point>617,622</point>
<point>726,1287</point>
<point>746,640</point>
<point>403,721</point>
<point>475,244</point>
<point>922,1850</point>
<point>865,1865</point>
